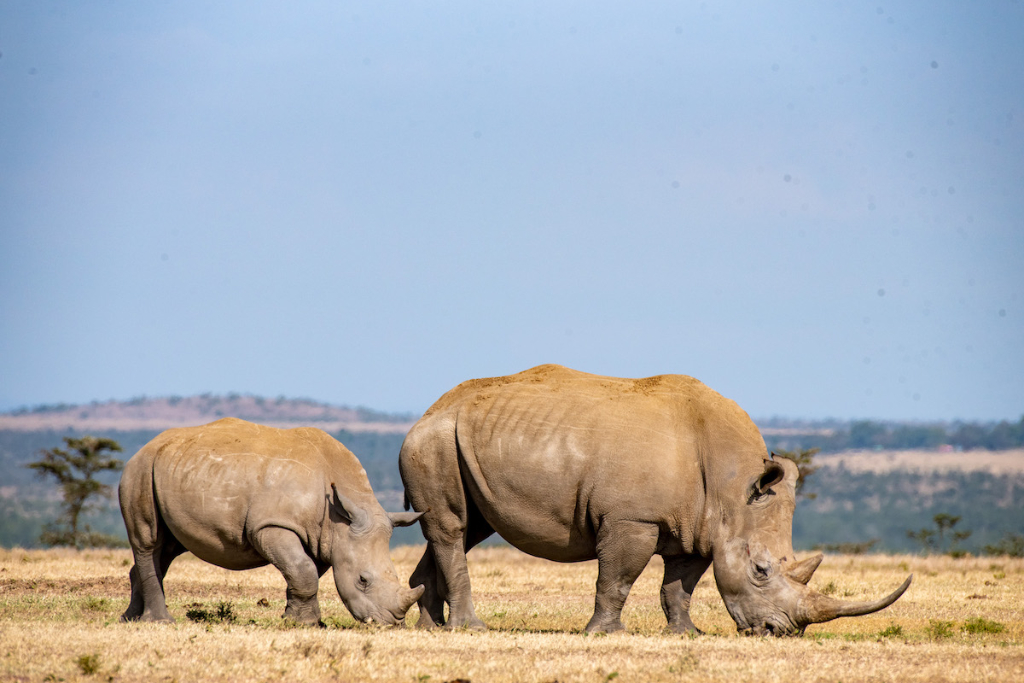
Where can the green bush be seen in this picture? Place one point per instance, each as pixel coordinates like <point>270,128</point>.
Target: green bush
<point>1011,544</point>
<point>938,628</point>
<point>224,613</point>
<point>89,664</point>
<point>891,631</point>
<point>982,625</point>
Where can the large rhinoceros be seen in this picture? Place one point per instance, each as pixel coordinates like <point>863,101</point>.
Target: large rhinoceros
<point>241,495</point>
<point>570,466</point>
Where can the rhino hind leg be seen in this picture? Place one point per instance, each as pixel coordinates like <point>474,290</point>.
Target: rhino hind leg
<point>148,601</point>
<point>450,540</point>
<point>454,581</point>
<point>135,605</point>
<point>682,572</point>
<point>283,549</point>
<point>623,550</point>
<point>426,574</point>
<point>452,526</point>
<point>431,603</point>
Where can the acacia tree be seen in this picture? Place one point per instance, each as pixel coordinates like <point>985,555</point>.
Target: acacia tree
<point>75,469</point>
<point>935,539</point>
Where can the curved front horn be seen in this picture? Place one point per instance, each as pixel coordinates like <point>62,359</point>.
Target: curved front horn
<point>819,608</point>
<point>411,597</point>
<point>804,570</point>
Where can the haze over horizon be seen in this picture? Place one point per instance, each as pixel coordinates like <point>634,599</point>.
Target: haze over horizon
<point>30,410</point>
<point>815,210</point>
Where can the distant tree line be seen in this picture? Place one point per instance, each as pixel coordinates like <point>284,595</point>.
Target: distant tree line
<point>837,506</point>
<point>879,508</point>
<point>868,434</point>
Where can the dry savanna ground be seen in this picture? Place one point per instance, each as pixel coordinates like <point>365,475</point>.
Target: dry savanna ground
<point>961,620</point>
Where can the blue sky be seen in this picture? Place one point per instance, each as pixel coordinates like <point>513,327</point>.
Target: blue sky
<point>816,209</point>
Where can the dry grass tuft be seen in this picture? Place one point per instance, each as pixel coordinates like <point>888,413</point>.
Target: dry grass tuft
<point>962,620</point>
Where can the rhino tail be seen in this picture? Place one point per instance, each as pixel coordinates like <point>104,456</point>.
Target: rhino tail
<point>405,500</point>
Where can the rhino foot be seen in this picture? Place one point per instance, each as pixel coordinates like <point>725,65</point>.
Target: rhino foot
<point>604,625</point>
<point>426,623</point>
<point>683,627</point>
<point>303,619</point>
<point>302,611</point>
<point>472,624</point>
<point>149,618</point>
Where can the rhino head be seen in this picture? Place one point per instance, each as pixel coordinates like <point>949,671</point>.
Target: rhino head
<point>361,559</point>
<point>763,586</point>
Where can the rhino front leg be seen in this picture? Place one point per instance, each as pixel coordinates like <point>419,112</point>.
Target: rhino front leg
<point>283,549</point>
<point>431,603</point>
<point>682,573</point>
<point>450,559</point>
<point>623,550</point>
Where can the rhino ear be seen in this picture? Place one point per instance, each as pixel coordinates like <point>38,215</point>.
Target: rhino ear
<point>772,475</point>
<point>342,509</point>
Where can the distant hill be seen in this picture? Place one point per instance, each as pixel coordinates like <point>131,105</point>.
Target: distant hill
<point>160,413</point>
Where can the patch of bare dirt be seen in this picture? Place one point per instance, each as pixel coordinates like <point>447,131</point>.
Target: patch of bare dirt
<point>995,462</point>
<point>107,586</point>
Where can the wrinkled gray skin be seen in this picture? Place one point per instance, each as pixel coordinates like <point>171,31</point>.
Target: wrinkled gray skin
<point>240,496</point>
<point>569,467</point>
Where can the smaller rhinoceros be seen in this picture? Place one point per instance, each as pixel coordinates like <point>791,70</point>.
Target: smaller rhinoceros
<point>241,495</point>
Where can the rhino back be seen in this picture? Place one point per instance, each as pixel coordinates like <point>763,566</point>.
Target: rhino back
<point>550,452</point>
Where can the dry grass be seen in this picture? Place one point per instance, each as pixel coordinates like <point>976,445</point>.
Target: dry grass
<point>59,610</point>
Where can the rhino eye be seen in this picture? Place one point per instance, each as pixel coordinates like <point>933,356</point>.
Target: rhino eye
<point>363,582</point>
<point>762,570</point>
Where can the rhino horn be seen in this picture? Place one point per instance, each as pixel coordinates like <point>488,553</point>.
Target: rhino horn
<point>404,518</point>
<point>411,597</point>
<point>819,608</point>
<point>802,571</point>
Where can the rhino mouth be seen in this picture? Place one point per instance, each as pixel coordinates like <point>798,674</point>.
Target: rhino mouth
<point>383,619</point>
<point>770,628</point>
<point>376,615</point>
<point>381,616</point>
<point>373,612</point>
